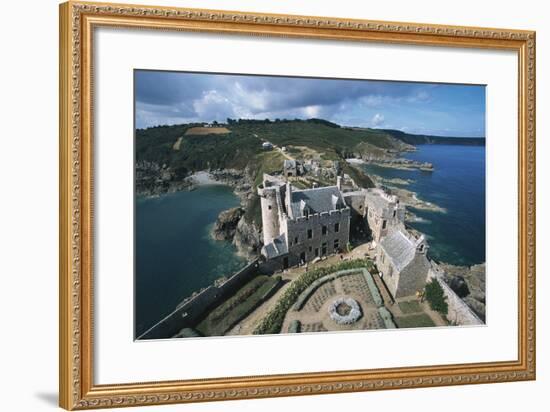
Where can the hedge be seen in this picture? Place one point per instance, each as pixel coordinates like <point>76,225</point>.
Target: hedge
<point>273,321</point>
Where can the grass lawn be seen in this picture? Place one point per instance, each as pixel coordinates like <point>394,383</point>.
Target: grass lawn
<point>238,306</point>
<point>414,321</point>
<point>409,307</point>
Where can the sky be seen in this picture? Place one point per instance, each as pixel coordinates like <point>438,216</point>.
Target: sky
<point>166,98</point>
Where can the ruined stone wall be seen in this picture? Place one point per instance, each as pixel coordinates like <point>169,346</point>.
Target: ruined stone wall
<point>297,229</point>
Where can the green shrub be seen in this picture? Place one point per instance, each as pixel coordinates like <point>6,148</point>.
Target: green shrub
<point>436,297</point>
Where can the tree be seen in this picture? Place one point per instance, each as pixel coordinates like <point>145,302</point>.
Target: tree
<point>436,297</point>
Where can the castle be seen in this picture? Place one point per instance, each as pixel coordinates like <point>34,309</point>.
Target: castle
<point>300,226</point>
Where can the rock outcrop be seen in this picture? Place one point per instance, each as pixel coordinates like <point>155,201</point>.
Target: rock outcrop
<point>248,239</point>
<point>153,179</point>
<point>226,223</point>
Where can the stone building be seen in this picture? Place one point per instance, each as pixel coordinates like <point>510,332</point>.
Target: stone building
<point>402,262</point>
<point>382,211</point>
<point>301,225</point>
<point>291,168</point>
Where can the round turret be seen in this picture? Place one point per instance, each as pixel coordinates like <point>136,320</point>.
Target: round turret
<point>270,214</point>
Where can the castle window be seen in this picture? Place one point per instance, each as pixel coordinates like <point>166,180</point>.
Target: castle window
<point>269,207</point>
<point>337,227</point>
<point>394,213</point>
<point>384,224</point>
<point>316,251</point>
<point>296,240</point>
<point>360,207</point>
<point>336,244</point>
<point>310,249</point>
<point>421,248</point>
<point>309,233</point>
<point>324,230</point>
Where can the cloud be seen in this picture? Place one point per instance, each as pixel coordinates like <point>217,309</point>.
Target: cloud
<point>181,97</point>
<point>377,120</point>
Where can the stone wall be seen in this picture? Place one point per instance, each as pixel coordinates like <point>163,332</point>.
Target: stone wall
<point>190,311</point>
<point>297,229</point>
<point>459,312</point>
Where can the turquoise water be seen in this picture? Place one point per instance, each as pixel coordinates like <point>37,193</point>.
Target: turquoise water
<point>458,185</point>
<point>175,254</point>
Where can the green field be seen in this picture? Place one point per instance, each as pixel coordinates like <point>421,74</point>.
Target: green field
<point>234,309</point>
<point>411,306</point>
<point>414,321</point>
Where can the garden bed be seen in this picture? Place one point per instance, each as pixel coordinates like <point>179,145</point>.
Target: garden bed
<point>240,305</point>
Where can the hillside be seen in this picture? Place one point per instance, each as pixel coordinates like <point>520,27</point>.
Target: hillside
<point>418,139</point>
<point>243,146</point>
<point>175,149</point>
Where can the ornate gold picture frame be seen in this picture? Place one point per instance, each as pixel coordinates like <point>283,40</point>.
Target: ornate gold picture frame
<point>78,20</point>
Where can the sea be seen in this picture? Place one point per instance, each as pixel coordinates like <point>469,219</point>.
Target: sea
<point>458,185</point>
<point>174,252</point>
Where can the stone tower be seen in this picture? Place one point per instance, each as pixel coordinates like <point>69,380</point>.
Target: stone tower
<point>270,196</point>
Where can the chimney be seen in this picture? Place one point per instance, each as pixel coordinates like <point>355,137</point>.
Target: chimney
<point>339,182</point>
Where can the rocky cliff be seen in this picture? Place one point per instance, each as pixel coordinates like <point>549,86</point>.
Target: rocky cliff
<point>226,223</point>
<point>248,239</point>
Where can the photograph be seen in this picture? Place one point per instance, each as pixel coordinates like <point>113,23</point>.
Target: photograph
<point>281,205</point>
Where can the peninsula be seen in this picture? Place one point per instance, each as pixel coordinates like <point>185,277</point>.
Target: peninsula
<point>328,244</point>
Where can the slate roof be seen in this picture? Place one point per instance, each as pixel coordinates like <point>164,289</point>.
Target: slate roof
<point>318,200</point>
<point>276,248</point>
<point>399,248</point>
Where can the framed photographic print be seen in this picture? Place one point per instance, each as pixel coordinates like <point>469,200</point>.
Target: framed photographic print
<point>258,205</point>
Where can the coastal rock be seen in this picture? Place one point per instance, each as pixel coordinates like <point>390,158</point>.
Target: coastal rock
<point>226,223</point>
<point>153,179</point>
<point>248,238</point>
<point>472,278</point>
<point>476,306</point>
<point>459,286</point>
